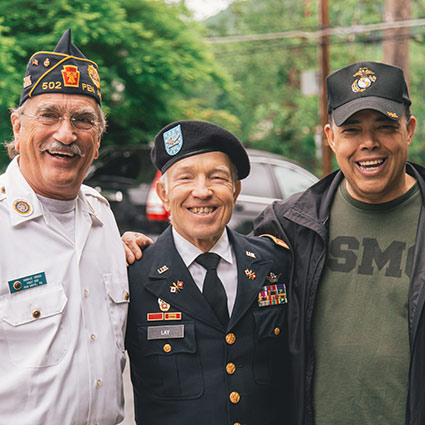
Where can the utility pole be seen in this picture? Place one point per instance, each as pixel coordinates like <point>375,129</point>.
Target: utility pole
<point>324,59</point>
<point>395,42</point>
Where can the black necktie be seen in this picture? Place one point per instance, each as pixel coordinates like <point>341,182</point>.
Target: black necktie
<point>213,288</point>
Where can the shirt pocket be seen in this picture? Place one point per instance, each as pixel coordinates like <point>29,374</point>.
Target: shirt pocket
<point>34,328</point>
<point>170,368</point>
<point>271,345</point>
<point>116,285</point>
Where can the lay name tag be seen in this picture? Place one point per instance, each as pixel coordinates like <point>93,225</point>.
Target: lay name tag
<point>27,282</point>
<point>166,332</point>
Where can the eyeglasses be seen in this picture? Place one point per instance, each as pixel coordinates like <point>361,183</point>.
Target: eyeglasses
<point>78,121</point>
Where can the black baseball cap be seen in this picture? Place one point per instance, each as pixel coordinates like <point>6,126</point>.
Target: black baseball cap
<point>65,70</point>
<point>182,139</point>
<point>366,85</point>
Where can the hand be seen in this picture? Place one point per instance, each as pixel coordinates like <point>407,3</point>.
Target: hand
<point>133,243</point>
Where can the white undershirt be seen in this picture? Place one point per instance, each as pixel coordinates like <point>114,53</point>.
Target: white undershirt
<point>227,269</point>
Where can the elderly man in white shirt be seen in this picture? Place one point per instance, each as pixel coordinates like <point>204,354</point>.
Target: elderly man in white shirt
<point>63,282</point>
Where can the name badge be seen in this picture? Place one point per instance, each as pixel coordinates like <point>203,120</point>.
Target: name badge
<point>27,282</point>
<point>165,332</point>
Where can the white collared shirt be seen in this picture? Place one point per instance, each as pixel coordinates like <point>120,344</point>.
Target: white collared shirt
<point>61,340</point>
<point>227,270</point>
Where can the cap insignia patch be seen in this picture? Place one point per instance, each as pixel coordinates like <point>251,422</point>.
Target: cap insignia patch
<point>46,63</point>
<point>71,76</point>
<point>27,81</point>
<point>173,140</point>
<point>34,62</point>
<point>392,115</point>
<point>365,80</point>
<point>94,75</point>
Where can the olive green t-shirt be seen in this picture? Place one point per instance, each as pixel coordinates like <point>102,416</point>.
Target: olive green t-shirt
<point>360,327</point>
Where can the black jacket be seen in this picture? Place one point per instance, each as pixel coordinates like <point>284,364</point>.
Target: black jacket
<point>302,221</point>
<point>189,380</point>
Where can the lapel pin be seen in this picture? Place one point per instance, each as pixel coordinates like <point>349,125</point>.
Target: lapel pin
<point>250,274</point>
<point>176,287</point>
<point>273,278</point>
<point>163,306</point>
<point>162,269</point>
<point>250,254</point>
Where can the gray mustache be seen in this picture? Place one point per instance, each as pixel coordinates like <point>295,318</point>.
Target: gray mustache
<point>60,147</point>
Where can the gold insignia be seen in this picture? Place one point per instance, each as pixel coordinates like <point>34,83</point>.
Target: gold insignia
<point>34,62</point>
<point>162,269</point>
<point>46,63</point>
<point>392,115</point>
<point>250,254</point>
<point>273,278</point>
<point>71,76</point>
<point>276,240</point>
<point>365,80</point>
<point>176,287</point>
<point>94,75</point>
<point>163,306</point>
<point>22,207</point>
<point>17,286</point>
<point>250,274</point>
<point>27,81</point>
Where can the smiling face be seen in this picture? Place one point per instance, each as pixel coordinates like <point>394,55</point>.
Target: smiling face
<point>200,197</point>
<point>54,159</point>
<point>371,151</point>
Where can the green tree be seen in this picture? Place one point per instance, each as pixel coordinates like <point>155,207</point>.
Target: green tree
<point>151,58</point>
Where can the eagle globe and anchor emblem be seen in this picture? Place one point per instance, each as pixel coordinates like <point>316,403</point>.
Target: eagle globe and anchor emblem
<point>365,80</point>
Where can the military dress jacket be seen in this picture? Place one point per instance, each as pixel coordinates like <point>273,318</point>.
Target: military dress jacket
<point>186,367</point>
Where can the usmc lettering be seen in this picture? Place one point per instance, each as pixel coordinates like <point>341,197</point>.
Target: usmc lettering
<point>345,255</point>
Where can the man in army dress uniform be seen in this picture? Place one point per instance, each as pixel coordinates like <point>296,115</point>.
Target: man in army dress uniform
<point>207,325</point>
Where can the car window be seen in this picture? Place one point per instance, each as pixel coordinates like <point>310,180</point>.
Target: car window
<point>291,181</point>
<point>258,182</point>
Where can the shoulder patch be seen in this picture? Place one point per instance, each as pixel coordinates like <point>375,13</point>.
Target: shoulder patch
<point>90,191</point>
<point>277,241</point>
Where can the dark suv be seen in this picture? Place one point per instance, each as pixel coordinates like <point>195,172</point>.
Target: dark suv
<point>125,176</point>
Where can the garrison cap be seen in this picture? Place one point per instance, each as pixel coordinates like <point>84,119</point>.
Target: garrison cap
<point>182,139</point>
<point>65,70</point>
<point>367,85</point>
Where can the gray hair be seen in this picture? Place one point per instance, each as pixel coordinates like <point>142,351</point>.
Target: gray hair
<point>18,111</point>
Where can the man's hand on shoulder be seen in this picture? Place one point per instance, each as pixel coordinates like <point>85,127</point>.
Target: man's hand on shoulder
<point>133,243</point>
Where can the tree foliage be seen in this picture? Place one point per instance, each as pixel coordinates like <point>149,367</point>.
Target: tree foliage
<point>151,57</point>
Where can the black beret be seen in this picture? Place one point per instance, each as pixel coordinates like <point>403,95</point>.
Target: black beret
<point>366,85</point>
<point>182,139</point>
<point>65,70</point>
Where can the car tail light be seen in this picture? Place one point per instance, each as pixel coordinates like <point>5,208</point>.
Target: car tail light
<point>155,210</point>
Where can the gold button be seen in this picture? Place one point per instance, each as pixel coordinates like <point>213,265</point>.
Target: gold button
<point>167,348</point>
<point>237,423</point>
<point>17,286</point>
<point>234,397</point>
<point>36,314</point>
<point>92,337</point>
<point>276,331</point>
<point>86,293</point>
<point>230,368</point>
<point>99,383</point>
<point>230,338</point>
<point>126,296</point>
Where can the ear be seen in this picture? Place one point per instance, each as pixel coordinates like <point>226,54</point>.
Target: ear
<point>163,195</point>
<point>238,187</point>
<point>411,129</point>
<point>16,126</point>
<point>96,154</point>
<point>330,135</point>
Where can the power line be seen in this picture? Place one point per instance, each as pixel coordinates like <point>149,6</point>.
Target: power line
<point>338,31</point>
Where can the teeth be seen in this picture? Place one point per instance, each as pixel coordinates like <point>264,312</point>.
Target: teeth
<point>202,210</point>
<point>371,165</point>
<point>52,152</point>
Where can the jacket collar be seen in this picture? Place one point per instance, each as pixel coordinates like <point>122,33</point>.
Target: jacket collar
<point>166,273</point>
<point>22,201</point>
